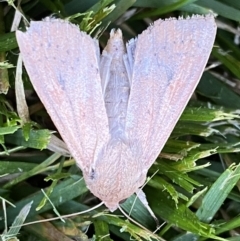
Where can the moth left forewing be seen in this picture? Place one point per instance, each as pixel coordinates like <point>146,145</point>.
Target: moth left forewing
<point>169,59</point>
<point>63,66</point>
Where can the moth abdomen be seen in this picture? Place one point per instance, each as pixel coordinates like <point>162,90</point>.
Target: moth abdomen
<point>117,85</point>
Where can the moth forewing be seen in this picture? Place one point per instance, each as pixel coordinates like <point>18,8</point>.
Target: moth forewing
<point>63,67</point>
<point>169,59</point>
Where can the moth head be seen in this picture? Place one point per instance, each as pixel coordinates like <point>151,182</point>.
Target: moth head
<point>115,177</point>
<point>114,190</point>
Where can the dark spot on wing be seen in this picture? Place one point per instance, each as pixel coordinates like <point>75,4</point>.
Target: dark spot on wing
<point>61,80</point>
<point>92,174</point>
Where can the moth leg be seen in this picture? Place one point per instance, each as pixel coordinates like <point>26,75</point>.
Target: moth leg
<point>105,64</point>
<point>128,58</point>
<point>142,197</point>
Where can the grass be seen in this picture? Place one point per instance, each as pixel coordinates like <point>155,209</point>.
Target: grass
<point>195,193</point>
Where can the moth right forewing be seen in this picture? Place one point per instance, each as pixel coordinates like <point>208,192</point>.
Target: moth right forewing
<point>67,81</point>
<point>169,59</point>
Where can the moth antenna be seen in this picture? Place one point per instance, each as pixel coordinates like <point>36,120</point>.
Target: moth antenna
<point>139,225</point>
<point>64,216</point>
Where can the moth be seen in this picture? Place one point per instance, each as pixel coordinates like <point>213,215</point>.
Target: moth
<point>115,111</point>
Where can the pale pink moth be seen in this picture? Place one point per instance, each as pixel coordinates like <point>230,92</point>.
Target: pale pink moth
<point>116,111</point>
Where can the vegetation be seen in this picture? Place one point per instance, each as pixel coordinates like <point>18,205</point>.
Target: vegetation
<point>194,191</point>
